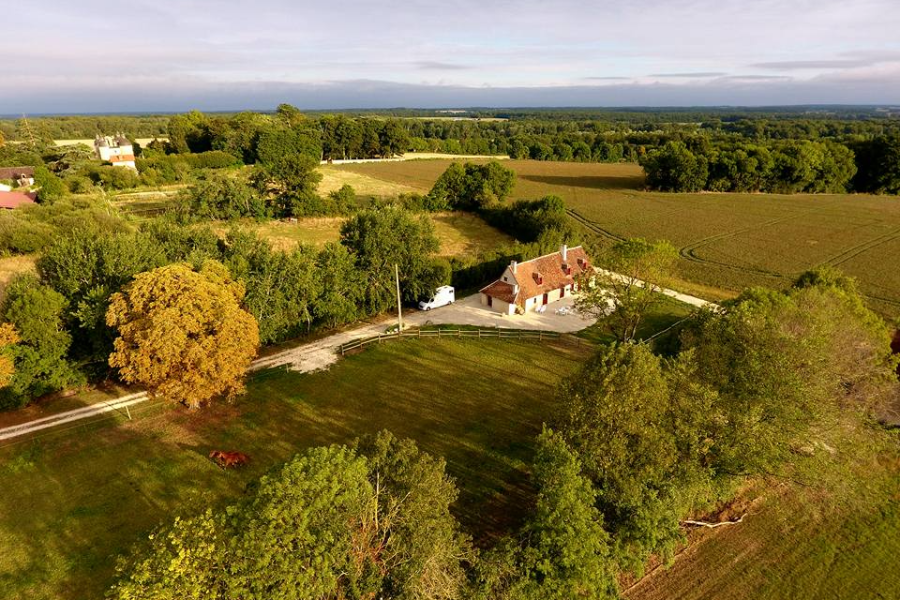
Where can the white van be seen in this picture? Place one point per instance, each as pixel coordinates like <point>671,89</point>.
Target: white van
<point>443,296</point>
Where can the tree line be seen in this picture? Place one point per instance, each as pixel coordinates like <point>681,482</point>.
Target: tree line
<point>67,334</point>
<point>778,167</point>
<point>780,151</point>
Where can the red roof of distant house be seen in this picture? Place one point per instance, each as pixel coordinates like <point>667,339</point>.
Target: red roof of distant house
<point>16,199</point>
<point>121,158</point>
<point>16,172</point>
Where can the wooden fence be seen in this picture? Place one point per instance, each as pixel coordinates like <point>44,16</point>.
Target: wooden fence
<point>480,334</point>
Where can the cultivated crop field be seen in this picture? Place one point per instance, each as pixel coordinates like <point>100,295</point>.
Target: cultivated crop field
<point>726,241</point>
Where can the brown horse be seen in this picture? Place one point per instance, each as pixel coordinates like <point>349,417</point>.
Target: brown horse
<point>895,346</point>
<point>228,460</point>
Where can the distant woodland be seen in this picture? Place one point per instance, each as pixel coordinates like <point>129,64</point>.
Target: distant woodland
<point>784,150</point>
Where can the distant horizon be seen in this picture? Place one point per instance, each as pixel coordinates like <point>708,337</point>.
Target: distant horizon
<point>168,56</point>
<point>362,109</point>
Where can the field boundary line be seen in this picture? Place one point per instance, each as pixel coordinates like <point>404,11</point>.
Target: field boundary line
<point>478,334</point>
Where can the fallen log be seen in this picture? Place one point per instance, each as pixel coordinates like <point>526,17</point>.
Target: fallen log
<point>713,525</point>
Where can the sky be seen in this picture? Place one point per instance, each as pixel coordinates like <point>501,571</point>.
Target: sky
<point>173,55</point>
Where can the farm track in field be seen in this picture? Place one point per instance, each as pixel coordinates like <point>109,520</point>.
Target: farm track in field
<point>593,227</point>
<point>855,251</point>
<point>687,252</point>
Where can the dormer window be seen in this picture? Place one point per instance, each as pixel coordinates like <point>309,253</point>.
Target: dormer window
<point>583,263</point>
<point>567,269</point>
<point>538,278</point>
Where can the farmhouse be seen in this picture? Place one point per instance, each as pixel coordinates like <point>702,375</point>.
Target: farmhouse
<point>531,284</point>
<point>116,150</point>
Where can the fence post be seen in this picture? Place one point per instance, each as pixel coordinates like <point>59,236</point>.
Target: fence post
<point>540,336</point>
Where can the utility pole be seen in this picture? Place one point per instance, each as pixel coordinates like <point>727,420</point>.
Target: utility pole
<point>399,310</point>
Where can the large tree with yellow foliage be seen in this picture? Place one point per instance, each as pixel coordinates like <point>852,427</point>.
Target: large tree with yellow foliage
<point>183,334</point>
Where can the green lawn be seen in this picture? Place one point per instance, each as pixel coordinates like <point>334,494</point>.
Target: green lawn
<point>72,502</point>
<point>661,320</point>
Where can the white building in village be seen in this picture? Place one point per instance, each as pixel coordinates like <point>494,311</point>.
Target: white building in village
<point>116,150</point>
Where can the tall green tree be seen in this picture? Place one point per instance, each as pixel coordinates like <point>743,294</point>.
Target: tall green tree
<point>784,363</point>
<point>624,292</point>
<point>50,187</point>
<point>342,289</point>
<point>331,523</point>
<point>87,266</point>
<point>474,186</point>
<point>674,168</point>
<point>221,197</point>
<point>567,552</point>
<point>616,416</point>
<point>37,313</point>
<point>292,180</point>
<point>384,237</point>
<point>281,287</point>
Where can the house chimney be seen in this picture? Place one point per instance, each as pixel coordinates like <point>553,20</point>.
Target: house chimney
<point>512,266</point>
<point>562,251</point>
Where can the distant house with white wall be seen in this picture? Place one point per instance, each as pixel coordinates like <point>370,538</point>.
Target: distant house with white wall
<point>530,284</point>
<point>20,176</point>
<point>116,150</point>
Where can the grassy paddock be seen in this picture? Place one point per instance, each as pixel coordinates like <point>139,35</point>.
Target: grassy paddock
<point>460,234</point>
<point>726,241</point>
<point>13,266</point>
<point>661,320</point>
<point>71,502</point>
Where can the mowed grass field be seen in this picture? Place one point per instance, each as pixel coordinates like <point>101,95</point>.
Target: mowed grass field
<point>71,502</point>
<point>726,242</point>
<point>460,234</point>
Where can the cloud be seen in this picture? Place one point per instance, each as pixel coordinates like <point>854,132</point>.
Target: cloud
<point>175,53</point>
<point>756,77</point>
<point>433,65</point>
<point>799,65</point>
<point>697,75</point>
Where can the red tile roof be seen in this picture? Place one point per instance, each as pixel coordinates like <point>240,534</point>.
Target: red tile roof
<point>548,270</point>
<point>16,172</point>
<point>16,199</point>
<point>501,291</point>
